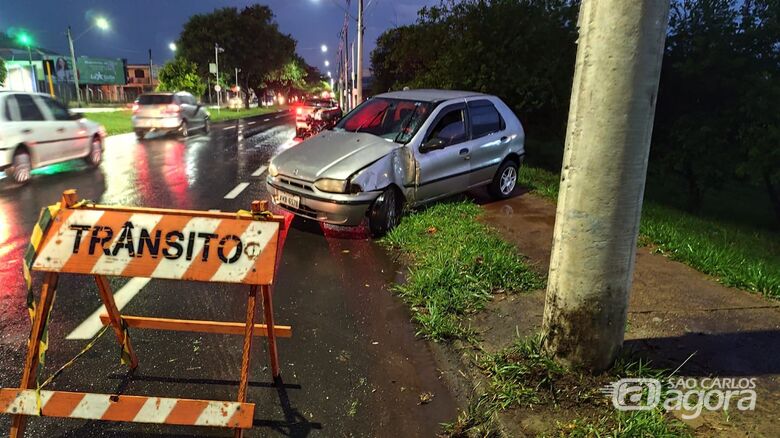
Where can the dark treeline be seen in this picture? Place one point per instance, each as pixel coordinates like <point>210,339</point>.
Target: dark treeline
<point>717,120</point>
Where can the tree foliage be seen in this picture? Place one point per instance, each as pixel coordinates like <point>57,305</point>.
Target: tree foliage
<point>250,37</point>
<point>3,71</point>
<point>521,50</point>
<point>181,75</point>
<point>717,121</point>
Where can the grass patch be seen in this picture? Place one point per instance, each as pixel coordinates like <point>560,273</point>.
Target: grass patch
<point>525,376</point>
<point>115,122</point>
<point>736,255</point>
<point>455,264</point>
<point>118,122</point>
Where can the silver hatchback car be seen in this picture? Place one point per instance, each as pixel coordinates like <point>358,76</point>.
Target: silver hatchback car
<point>169,112</point>
<point>396,149</point>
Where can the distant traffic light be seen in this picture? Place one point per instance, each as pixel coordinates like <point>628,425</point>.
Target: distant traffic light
<point>24,39</point>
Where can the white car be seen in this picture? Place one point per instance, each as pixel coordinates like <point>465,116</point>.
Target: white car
<point>36,131</point>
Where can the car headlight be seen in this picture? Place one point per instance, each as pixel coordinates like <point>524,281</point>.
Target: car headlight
<point>331,185</point>
<point>272,170</point>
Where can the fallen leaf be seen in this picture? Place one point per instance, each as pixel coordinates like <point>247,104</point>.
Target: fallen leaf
<point>425,398</point>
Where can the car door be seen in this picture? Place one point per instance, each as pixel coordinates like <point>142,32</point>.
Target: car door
<point>73,139</point>
<point>28,121</point>
<point>489,138</point>
<point>444,170</point>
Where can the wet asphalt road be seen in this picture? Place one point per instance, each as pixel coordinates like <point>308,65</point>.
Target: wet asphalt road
<point>352,367</point>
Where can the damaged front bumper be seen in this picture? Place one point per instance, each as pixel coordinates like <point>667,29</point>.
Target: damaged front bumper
<point>332,208</point>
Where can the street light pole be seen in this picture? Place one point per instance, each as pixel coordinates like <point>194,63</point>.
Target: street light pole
<point>359,67</point>
<point>73,66</point>
<point>620,47</point>
<point>217,49</point>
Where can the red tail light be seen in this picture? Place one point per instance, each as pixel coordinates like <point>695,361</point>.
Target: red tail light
<point>172,108</point>
<point>135,107</point>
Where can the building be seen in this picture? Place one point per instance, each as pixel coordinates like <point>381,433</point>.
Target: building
<point>140,79</point>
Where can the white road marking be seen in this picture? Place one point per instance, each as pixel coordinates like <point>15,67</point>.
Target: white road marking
<point>89,328</point>
<point>228,127</point>
<point>236,190</point>
<point>252,123</point>
<point>265,120</point>
<point>260,170</point>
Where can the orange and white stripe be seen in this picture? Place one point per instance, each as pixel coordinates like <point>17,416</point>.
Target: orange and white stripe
<point>128,408</point>
<point>255,264</point>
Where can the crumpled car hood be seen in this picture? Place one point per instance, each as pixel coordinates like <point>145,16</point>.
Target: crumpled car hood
<point>332,154</point>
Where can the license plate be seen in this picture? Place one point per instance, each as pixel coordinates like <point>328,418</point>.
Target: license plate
<point>288,199</point>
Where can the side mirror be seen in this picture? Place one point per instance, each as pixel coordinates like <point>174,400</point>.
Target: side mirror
<point>432,145</point>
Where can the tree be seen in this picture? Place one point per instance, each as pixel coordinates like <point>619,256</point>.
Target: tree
<point>698,117</point>
<point>181,75</point>
<point>3,71</point>
<point>250,37</point>
<point>291,76</point>
<point>759,131</point>
<point>467,45</point>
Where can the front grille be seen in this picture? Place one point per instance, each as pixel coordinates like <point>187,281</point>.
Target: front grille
<point>294,183</point>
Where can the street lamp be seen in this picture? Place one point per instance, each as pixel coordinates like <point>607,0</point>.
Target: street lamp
<point>327,63</point>
<point>101,23</point>
<point>172,46</point>
<point>329,74</point>
<point>324,48</point>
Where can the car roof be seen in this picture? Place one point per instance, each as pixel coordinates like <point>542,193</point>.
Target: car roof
<point>430,95</point>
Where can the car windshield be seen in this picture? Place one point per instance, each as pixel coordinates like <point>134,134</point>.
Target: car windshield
<point>393,119</point>
<point>155,99</point>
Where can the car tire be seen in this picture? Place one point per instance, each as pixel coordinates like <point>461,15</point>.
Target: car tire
<point>21,167</point>
<point>95,152</point>
<point>184,130</point>
<point>140,134</point>
<point>504,181</point>
<point>385,212</point>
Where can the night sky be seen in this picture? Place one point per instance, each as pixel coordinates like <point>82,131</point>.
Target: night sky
<point>139,25</point>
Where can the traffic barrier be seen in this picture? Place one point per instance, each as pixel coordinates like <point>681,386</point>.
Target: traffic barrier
<point>98,240</point>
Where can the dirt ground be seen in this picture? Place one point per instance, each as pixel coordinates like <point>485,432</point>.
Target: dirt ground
<point>674,312</point>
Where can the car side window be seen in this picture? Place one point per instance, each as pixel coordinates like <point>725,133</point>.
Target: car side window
<point>450,127</point>
<point>11,109</point>
<point>28,109</point>
<point>485,118</point>
<point>58,110</point>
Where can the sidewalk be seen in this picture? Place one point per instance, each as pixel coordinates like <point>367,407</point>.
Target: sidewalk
<point>674,312</point>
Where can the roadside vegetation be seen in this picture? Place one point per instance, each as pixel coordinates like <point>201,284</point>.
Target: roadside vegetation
<point>118,122</point>
<point>523,376</point>
<point>455,264</point>
<point>736,255</point>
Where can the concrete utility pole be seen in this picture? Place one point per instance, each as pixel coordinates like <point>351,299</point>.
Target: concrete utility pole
<point>619,54</point>
<point>74,67</point>
<point>151,70</point>
<point>359,67</point>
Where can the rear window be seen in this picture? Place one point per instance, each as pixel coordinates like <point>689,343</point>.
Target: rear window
<point>319,103</point>
<point>485,118</point>
<point>155,99</point>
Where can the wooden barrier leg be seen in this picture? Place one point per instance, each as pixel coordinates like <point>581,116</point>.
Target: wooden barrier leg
<point>269,322</point>
<point>243,385</point>
<point>33,348</point>
<point>114,317</point>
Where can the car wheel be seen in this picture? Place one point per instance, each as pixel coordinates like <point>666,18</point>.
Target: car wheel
<point>22,165</point>
<point>140,134</point>
<point>183,129</point>
<point>504,181</point>
<point>385,212</point>
<point>95,152</point>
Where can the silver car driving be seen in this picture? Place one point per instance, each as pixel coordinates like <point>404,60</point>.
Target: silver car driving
<point>400,149</point>
<point>169,112</point>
